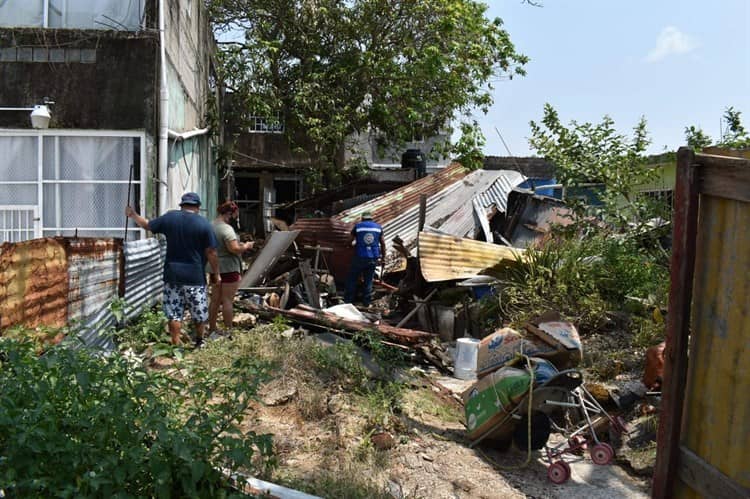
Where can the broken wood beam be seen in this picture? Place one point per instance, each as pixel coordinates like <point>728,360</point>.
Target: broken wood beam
<point>420,304</point>
<point>399,335</point>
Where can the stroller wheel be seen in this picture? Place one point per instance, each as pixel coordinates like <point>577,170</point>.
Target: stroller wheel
<point>558,472</point>
<point>602,453</point>
<point>540,430</point>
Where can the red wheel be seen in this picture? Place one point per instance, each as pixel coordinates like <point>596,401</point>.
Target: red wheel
<point>567,467</point>
<point>602,453</point>
<point>558,472</point>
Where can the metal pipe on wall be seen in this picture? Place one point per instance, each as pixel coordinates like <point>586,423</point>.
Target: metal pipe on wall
<point>163,115</point>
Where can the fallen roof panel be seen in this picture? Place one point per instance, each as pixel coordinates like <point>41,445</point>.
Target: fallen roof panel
<point>444,258</point>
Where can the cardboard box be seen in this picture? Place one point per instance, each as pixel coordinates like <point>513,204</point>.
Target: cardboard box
<point>502,346</point>
<point>491,399</point>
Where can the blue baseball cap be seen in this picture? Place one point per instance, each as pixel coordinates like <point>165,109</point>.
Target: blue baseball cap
<point>191,198</point>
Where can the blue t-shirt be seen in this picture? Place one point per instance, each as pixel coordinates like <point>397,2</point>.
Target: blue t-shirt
<point>188,236</point>
<point>368,235</point>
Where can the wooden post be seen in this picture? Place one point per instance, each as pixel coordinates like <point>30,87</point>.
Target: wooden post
<point>682,268</point>
<point>422,211</point>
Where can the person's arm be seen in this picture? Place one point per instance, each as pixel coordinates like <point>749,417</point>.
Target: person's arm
<point>213,262</point>
<point>236,247</point>
<point>142,222</point>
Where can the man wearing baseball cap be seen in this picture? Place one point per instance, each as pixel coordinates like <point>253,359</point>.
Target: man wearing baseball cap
<point>369,249</point>
<point>191,243</point>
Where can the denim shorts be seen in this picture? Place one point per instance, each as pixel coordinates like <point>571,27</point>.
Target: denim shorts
<point>178,297</point>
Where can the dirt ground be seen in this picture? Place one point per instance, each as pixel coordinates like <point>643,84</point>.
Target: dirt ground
<point>428,457</point>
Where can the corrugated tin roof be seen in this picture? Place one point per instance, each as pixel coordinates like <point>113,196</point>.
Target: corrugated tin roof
<point>449,193</point>
<point>498,191</point>
<point>389,206</point>
<point>444,258</point>
<point>328,233</point>
<point>487,188</point>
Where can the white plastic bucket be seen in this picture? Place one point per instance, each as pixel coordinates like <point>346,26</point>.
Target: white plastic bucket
<point>466,358</point>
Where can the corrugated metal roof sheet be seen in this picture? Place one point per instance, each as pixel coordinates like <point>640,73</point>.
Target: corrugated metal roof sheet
<point>449,192</point>
<point>487,188</point>
<point>498,191</point>
<point>443,258</point>
<point>328,233</point>
<point>144,265</point>
<point>59,281</point>
<point>389,206</point>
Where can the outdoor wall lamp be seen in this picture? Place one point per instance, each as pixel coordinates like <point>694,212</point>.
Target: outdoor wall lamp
<point>40,114</point>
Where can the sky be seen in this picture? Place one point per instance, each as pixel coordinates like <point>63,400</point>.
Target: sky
<point>675,62</point>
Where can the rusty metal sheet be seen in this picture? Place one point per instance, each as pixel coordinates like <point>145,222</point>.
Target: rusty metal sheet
<point>443,257</point>
<point>389,206</point>
<point>93,283</point>
<point>33,284</point>
<point>275,246</point>
<point>93,275</point>
<point>328,233</point>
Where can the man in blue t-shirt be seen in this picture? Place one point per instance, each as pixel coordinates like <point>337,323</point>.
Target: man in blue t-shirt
<point>190,243</point>
<point>369,250</point>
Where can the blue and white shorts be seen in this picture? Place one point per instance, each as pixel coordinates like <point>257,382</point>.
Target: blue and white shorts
<point>177,297</point>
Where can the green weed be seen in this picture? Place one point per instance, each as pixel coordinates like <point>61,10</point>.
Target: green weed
<point>76,424</point>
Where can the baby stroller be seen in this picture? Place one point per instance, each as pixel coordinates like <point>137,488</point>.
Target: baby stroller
<point>564,405</point>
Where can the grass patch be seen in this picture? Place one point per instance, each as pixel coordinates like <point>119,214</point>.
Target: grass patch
<point>350,482</point>
<point>419,403</point>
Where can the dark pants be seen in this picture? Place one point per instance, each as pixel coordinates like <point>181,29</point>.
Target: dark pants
<point>366,267</point>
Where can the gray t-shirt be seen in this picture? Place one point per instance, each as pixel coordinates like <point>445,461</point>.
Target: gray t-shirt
<point>228,261</point>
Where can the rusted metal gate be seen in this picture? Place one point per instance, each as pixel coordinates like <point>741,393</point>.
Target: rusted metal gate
<point>704,428</point>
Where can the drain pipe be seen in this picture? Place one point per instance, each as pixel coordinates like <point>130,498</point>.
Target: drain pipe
<point>163,115</point>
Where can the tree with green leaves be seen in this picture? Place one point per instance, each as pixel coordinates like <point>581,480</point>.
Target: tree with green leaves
<point>596,153</point>
<point>733,136</point>
<point>332,68</point>
<point>696,138</point>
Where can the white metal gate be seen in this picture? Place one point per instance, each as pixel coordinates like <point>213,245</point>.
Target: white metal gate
<point>19,223</point>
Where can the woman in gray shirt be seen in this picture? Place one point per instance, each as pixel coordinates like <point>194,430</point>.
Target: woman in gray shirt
<point>229,251</point>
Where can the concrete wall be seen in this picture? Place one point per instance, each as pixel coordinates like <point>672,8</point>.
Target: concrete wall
<point>97,79</point>
<point>189,44</point>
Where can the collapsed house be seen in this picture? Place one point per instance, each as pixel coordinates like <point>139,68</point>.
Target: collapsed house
<point>455,201</point>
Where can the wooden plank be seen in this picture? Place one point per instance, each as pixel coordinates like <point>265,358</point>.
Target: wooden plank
<point>422,212</point>
<point>308,280</point>
<point>724,177</point>
<point>682,267</point>
<point>707,480</point>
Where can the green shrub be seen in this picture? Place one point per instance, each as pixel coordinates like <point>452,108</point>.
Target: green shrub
<point>583,279</point>
<point>76,424</point>
<point>150,328</point>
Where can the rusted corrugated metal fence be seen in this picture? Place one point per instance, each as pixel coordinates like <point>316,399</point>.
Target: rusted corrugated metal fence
<point>72,281</point>
<point>704,427</point>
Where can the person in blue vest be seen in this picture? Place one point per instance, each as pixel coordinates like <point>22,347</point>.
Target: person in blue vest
<point>369,250</point>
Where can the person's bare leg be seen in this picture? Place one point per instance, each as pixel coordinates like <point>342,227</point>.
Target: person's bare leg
<point>215,304</point>
<point>228,291</point>
<point>175,331</point>
<point>200,331</point>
